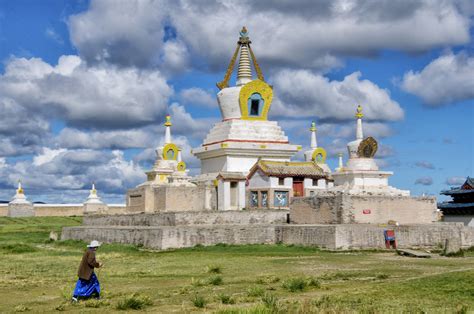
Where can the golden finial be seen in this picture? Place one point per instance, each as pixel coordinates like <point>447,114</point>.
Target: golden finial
<point>93,191</point>
<point>20,189</point>
<point>359,114</point>
<point>313,127</point>
<point>168,120</point>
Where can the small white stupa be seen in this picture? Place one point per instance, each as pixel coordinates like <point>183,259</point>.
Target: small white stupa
<point>169,168</point>
<point>19,197</point>
<point>94,204</point>
<point>19,206</point>
<point>316,154</point>
<point>361,174</point>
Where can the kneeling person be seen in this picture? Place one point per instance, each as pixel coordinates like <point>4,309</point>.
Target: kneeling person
<point>88,285</point>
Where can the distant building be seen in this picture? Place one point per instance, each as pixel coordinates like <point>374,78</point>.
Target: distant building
<point>461,207</point>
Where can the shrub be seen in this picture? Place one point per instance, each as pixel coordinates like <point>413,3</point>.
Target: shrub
<point>21,308</point>
<point>197,282</point>
<point>313,282</point>
<point>255,291</point>
<point>18,248</point>
<point>134,302</point>
<point>95,303</point>
<point>213,269</point>
<point>225,298</point>
<point>459,253</point>
<point>267,279</point>
<point>199,301</point>
<point>295,284</point>
<point>381,276</point>
<point>270,300</point>
<point>215,280</point>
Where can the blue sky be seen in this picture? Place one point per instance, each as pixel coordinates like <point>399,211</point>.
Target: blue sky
<point>84,85</point>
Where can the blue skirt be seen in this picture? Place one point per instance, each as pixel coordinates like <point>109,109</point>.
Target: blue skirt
<point>87,288</point>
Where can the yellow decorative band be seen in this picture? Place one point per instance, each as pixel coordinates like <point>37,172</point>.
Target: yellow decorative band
<point>170,152</point>
<point>319,155</point>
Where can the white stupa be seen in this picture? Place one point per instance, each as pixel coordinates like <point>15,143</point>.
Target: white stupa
<point>169,168</point>
<point>93,198</point>
<point>93,204</point>
<point>20,197</point>
<point>244,135</point>
<point>361,174</point>
<point>316,154</point>
<point>19,206</point>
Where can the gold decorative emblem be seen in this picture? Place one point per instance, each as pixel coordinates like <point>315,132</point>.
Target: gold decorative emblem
<point>367,148</point>
<point>248,90</point>
<point>170,152</point>
<point>181,166</point>
<point>359,113</point>
<point>319,155</point>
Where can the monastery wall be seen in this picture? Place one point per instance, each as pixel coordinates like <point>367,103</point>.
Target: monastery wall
<point>344,236</point>
<point>247,217</point>
<point>45,210</point>
<point>340,208</point>
<point>3,210</point>
<point>368,236</point>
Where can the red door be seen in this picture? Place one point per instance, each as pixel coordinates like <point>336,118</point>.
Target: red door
<point>298,188</point>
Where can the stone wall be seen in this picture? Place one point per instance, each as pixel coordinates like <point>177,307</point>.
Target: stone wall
<point>3,210</point>
<point>45,210</point>
<point>345,236</point>
<point>342,208</point>
<point>151,199</point>
<point>247,217</point>
<point>166,237</point>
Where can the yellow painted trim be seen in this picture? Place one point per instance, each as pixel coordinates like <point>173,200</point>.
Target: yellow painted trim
<point>167,148</point>
<point>299,147</point>
<point>181,166</point>
<point>224,145</point>
<point>317,151</point>
<point>263,146</point>
<point>255,86</point>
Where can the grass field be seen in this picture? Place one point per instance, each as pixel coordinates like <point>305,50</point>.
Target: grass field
<point>38,275</point>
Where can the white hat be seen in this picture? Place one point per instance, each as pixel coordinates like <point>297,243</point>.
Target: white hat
<point>94,243</point>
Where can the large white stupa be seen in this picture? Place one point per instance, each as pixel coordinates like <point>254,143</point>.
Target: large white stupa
<point>244,135</point>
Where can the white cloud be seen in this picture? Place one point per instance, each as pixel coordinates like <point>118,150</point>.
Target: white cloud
<point>424,181</point>
<point>55,173</point>
<point>300,33</point>
<point>125,32</point>
<point>198,97</point>
<point>100,97</point>
<point>447,79</point>
<point>301,93</point>
<point>424,164</point>
<point>455,180</point>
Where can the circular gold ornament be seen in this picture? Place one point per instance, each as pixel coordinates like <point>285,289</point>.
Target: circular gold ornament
<point>247,91</point>
<point>181,166</point>
<point>319,155</point>
<point>170,152</point>
<point>367,148</point>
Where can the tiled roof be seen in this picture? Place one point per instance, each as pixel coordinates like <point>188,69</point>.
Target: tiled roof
<point>288,169</point>
<point>237,176</point>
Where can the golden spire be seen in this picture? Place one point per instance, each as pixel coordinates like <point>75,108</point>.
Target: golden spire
<point>244,41</point>
<point>313,127</point>
<point>359,114</point>
<point>20,189</point>
<point>168,120</point>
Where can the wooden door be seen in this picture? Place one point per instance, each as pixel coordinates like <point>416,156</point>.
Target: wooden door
<point>298,188</point>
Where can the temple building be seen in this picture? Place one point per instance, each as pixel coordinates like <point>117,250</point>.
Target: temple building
<point>461,207</point>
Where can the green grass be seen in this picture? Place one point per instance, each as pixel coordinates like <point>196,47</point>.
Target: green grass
<point>37,275</point>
